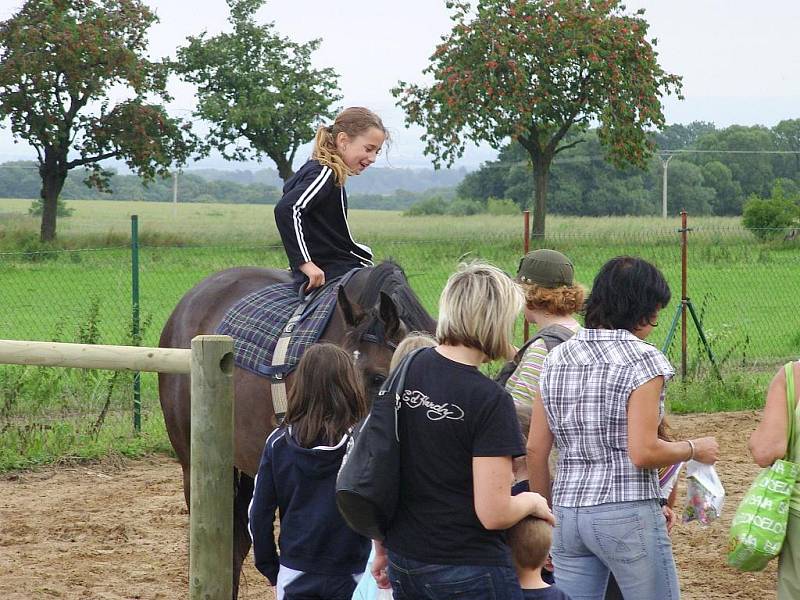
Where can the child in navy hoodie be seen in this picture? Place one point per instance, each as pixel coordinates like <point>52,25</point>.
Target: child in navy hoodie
<point>320,556</point>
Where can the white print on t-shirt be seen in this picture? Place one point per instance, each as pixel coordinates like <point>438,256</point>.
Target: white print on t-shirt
<point>436,412</point>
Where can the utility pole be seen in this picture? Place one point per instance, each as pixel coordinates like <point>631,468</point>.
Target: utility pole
<point>175,194</point>
<point>665,163</point>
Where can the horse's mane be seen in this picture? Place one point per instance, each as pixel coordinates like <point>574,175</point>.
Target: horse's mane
<point>388,277</point>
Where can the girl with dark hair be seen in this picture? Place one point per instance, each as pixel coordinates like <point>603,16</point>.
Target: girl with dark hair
<point>320,556</point>
<point>601,401</point>
<point>312,214</point>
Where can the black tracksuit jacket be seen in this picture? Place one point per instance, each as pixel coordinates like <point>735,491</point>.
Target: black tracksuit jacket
<point>312,221</point>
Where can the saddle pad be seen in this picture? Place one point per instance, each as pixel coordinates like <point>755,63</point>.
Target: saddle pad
<point>256,322</point>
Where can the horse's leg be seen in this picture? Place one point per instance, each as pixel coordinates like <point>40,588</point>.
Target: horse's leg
<point>241,533</point>
<point>175,394</point>
<point>253,418</point>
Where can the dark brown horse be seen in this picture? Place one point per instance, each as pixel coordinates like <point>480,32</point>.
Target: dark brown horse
<point>376,309</point>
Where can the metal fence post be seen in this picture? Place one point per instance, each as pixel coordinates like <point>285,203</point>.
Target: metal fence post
<point>526,246</point>
<point>136,334</point>
<point>684,292</point>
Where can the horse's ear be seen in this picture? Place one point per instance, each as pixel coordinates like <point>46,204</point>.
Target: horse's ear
<point>389,316</point>
<point>353,315</point>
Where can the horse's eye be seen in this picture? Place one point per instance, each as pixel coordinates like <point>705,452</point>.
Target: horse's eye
<point>377,379</point>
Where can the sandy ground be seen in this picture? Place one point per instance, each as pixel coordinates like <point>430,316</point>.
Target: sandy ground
<point>120,531</point>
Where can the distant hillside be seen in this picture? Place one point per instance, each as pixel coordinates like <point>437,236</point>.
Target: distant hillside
<point>392,189</point>
<point>375,180</point>
<point>21,180</point>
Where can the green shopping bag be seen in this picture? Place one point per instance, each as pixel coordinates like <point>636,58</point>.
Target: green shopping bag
<point>759,525</point>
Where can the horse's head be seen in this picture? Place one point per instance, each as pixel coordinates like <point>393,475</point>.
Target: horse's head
<point>378,309</point>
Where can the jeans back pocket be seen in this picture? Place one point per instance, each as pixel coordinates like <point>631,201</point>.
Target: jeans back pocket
<point>621,539</point>
<point>480,587</point>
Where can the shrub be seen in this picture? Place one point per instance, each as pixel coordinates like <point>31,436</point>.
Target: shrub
<point>61,208</point>
<point>430,206</point>
<point>769,217</point>
<point>501,206</point>
<point>462,207</point>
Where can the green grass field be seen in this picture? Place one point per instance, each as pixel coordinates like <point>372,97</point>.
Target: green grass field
<point>745,291</point>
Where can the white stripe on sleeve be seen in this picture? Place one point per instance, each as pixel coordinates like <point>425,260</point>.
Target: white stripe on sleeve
<point>301,203</point>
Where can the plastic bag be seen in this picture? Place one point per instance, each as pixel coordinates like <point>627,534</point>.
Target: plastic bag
<point>759,525</point>
<point>704,493</point>
<point>384,594</point>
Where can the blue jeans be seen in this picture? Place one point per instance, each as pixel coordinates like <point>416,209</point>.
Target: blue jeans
<point>628,539</point>
<point>298,585</point>
<point>414,580</point>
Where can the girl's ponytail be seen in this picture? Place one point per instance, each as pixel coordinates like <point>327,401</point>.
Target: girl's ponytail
<point>325,152</point>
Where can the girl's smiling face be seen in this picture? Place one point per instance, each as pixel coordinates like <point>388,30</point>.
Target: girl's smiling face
<point>361,151</point>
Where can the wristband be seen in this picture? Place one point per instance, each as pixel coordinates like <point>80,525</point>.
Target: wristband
<point>691,447</point>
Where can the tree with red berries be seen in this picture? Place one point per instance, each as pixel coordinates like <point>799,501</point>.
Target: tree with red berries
<point>59,60</point>
<point>534,70</point>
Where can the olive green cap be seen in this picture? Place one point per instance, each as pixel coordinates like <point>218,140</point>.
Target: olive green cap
<point>546,268</point>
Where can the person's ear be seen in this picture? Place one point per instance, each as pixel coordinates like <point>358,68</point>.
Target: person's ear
<point>342,139</point>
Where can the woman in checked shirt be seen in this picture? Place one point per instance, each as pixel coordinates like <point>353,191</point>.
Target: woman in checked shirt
<point>601,401</point>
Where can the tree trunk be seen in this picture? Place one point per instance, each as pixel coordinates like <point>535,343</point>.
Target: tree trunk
<point>285,170</point>
<point>53,173</point>
<point>541,171</point>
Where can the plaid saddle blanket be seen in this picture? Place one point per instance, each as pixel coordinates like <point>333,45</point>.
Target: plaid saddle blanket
<point>256,322</point>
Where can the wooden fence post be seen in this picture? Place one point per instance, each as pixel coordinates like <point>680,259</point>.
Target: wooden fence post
<point>211,495</point>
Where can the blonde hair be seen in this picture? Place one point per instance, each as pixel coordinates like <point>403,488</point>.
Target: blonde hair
<point>414,340</point>
<point>353,122</point>
<point>561,301</point>
<point>478,308</point>
<point>530,541</point>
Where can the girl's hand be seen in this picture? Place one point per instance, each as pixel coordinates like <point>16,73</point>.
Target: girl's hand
<point>538,507</point>
<point>670,516</point>
<point>316,276</point>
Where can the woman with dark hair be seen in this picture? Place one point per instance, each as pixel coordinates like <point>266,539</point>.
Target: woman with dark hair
<point>601,401</point>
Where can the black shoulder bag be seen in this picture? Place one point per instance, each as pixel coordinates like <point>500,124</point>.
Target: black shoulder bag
<point>368,484</point>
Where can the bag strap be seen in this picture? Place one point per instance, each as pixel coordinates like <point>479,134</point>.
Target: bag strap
<point>555,334</point>
<point>552,336</point>
<point>395,384</point>
<point>791,400</point>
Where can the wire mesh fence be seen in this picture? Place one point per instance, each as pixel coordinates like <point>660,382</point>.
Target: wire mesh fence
<point>744,291</point>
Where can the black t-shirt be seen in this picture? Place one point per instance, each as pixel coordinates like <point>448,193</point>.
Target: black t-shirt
<point>548,593</point>
<point>449,413</point>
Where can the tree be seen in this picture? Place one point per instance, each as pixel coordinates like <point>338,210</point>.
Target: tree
<point>728,193</point>
<point>753,171</point>
<point>533,70</point>
<point>787,137</point>
<point>687,190</point>
<point>58,61</point>
<point>678,136</point>
<point>255,86</point>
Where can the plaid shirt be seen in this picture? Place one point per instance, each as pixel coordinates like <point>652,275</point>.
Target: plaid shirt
<point>585,386</point>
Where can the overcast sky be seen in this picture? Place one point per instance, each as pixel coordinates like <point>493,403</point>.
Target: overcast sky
<point>739,59</point>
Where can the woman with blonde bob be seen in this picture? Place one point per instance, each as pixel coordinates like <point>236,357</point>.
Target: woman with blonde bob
<point>458,434</point>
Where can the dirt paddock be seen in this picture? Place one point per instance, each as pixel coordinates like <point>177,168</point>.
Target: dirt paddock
<point>120,531</point>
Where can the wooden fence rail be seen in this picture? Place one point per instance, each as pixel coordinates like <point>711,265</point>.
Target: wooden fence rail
<point>210,365</point>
